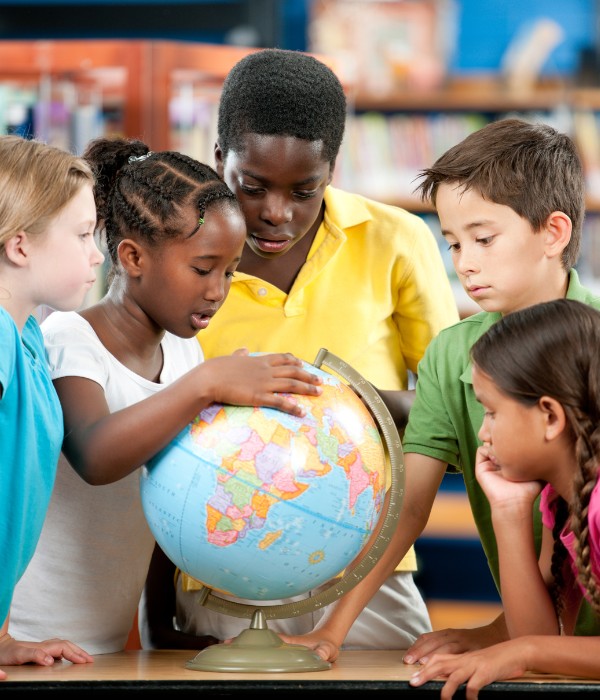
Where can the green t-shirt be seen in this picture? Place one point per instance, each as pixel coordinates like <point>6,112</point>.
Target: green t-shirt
<point>445,419</point>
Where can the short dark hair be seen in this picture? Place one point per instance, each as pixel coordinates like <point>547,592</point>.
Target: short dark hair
<point>280,92</point>
<point>530,167</point>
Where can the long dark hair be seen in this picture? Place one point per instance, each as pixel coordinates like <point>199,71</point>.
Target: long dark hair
<point>553,349</point>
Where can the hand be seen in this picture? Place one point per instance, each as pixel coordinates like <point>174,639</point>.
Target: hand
<point>476,668</point>
<point>503,494</point>
<point>262,380</point>
<point>327,649</point>
<point>455,641</point>
<point>16,653</point>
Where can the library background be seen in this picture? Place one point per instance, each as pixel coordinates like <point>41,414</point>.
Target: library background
<point>419,76</point>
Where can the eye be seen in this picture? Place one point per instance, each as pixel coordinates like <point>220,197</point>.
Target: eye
<point>230,274</point>
<point>486,240</point>
<point>247,189</point>
<point>454,247</point>
<point>201,272</point>
<point>305,195</point>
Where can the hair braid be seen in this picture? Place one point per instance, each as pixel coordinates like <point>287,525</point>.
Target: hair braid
<point>148,198</point>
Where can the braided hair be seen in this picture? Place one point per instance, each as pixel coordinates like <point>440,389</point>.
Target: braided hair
<point>144,194</point>
<point>551,349</point>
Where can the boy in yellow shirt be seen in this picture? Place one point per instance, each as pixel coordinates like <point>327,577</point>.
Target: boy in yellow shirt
<point>320,268</point>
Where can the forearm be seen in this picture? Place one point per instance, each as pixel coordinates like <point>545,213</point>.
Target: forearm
<point>398,404</point>
<point>527,605</point>
<point>103,451</point>
<point>571,656</point>
<point>340,616</point>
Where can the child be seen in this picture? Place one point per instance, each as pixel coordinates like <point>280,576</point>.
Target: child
<point>510,199</point>
<point>130,377</point>
<point>47,256</point>
<point>537,375</point>
<point>321,268</point>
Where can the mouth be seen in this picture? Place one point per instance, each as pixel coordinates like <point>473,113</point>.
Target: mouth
<point>200,320</point>
<point>475,290</point>
<point>268,245</point>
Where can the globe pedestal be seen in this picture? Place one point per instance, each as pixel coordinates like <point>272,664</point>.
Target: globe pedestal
<point>259,650</point>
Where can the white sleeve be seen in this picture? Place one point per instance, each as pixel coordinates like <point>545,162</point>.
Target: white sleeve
<point>73,349</point>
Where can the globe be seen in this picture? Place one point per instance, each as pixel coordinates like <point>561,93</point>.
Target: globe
<point>262,505</point>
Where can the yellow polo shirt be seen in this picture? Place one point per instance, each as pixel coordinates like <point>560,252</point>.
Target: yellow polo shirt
<point>373,291</point>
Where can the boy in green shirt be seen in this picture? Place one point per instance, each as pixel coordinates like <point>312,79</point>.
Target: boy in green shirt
<point>510,199</point>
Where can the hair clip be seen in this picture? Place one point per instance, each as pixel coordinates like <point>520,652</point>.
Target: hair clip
<point>138,159</point>
<point>200,221</point>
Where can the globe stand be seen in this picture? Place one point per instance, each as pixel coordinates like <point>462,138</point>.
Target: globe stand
<point>260,650</point>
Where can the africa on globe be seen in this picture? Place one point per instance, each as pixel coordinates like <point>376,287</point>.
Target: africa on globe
<point>262,505</point>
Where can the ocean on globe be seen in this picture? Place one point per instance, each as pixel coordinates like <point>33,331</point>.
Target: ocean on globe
<point>263,505</point>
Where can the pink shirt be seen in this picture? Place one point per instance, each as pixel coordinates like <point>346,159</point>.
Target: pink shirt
<point>567,537</point>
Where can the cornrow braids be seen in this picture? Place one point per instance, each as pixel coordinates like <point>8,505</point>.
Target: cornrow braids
<point>144,194</point>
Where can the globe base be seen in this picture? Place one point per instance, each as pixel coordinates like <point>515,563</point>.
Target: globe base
<point>257,650</point>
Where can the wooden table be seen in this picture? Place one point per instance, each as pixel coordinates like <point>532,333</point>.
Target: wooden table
<point>155,673</point>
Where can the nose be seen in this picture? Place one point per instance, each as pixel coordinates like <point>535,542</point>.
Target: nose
<point>97,256</point>
<point>276,210</point>
<point>217,287</point>
<point>465,261</point>
<point>484,433</point>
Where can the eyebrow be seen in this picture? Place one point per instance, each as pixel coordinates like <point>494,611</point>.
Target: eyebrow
<point>470,227</point>
<point>307,181</point>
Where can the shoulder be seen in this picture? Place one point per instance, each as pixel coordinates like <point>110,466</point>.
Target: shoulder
<point>348,210</point>
<point>459,337</point>
<point>185,352</point>
<point>64,324</point>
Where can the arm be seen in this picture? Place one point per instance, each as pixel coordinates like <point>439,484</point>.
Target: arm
<point>104,447</point>
<point>15,653</point>
<point>423,478</point>
<point>157,610</point>
<point>398,404</point>
<point>570,656</point>
<point>527,605</point>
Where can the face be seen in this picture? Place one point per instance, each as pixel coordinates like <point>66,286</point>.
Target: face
<point>66,257</point>
<point>183,282</point>
<point>501,263</point>
<point>515,433</point>
<point>280,182</point>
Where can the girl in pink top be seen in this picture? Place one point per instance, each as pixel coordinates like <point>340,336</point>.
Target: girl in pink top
<point>537,374</point>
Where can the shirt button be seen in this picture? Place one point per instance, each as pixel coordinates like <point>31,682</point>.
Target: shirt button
<point>262,292</point>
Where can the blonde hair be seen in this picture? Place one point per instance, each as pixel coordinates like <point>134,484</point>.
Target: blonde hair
<point>36,182</point>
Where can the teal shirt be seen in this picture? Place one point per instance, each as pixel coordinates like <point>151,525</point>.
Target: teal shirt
<point>445,417</point>
<point>31,433</point>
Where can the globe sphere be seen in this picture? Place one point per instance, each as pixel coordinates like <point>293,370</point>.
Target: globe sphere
<point>259,504</point>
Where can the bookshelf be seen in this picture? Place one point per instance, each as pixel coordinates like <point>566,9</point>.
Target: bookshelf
<point>68,91</point>
<point>166,93</point>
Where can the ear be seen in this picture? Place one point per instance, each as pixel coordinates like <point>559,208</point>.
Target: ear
<point>18,249</point>
<point>130,256</point>
<point>331,169</point>
<point>553,415</point>
<point>219,160</point>
<point>558,233</point>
